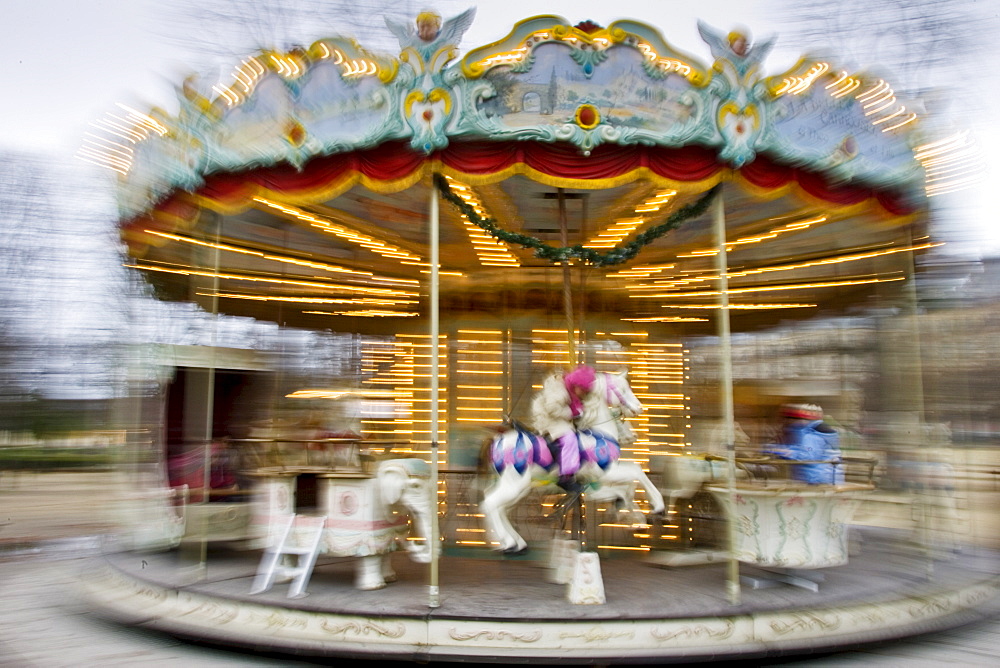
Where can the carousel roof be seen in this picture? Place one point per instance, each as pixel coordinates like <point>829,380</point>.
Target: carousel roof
<point>303,185</point>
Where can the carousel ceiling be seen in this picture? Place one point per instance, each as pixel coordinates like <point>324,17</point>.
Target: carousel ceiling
<point>301,190</point>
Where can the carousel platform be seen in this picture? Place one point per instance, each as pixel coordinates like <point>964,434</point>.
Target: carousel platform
<point>506,610</point>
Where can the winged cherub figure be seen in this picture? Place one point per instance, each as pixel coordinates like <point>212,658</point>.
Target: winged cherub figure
<point>736,47</point>
<point>427,34</point>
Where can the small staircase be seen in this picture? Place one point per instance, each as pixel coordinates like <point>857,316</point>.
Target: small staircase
<point>286,548</point>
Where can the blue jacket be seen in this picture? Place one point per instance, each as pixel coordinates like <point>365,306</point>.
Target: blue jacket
<point>813,441</point>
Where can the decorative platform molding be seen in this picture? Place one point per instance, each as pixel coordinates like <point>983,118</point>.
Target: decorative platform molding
<point>561,635</point>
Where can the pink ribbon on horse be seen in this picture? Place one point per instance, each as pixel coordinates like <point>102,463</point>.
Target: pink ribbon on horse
<point>578,381</point>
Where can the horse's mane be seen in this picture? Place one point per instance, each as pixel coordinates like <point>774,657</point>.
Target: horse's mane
<point>595,407</point>
<point>550,412</point>
<point>598,415</point>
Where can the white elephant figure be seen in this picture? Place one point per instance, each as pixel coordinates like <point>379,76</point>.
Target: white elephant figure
<point>400,485</point>
<point>366,516</point>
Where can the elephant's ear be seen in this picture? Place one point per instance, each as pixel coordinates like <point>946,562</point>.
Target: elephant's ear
<point>392,480</point>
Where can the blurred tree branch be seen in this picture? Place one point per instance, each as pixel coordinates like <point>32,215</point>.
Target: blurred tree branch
<point>919,43</point>
<point>228,28</point>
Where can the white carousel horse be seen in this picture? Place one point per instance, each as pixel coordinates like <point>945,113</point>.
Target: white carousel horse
<point>684,474</point>
<point>520,457</point>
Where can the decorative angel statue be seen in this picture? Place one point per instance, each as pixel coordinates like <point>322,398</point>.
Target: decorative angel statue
<point>735,47</point>
<point>427,34</point>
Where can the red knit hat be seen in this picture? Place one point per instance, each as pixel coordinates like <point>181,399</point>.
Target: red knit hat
<point>802,411</point>
<point>580,378</point>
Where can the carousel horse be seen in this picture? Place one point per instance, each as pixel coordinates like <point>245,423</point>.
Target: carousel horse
<point>593,426</point>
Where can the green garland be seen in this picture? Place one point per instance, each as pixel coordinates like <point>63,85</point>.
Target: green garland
<point>617,255</point>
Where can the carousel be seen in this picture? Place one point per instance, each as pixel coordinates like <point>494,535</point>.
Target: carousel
<point>523,241</point>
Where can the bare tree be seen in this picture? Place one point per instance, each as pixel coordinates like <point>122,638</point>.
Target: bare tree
<point>941,53</point>
<point>919,43</point>
<point>26,209</point>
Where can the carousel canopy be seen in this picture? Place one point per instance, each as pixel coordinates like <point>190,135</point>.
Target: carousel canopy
<point>300,189</point>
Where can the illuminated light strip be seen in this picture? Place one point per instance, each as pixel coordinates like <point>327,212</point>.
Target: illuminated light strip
<point>491,251</point>
<point>261,279</point>
<point>676,283</point>
<point>131,132</point>
<point>901,110</point>
<point>95,157</point>
<point>951,164</point>
<point>796,85</point>
<point>837,260</point>
<point>665,64</point>
<point>833,84</point>
<point>443,273</point>
<point>336,394</point>
<point>288,66</point>
<point>369,313</point>
<point>266,256</point>
<point>642,271</point>
<point>955,141</point>
<point>598,44</point>
<point>871,101</point>
<point>738,307</point>
<point>509,58</point>
<point>380,247</point>
<point>144,120</point>
<point>623,227</point>
<point>230,96</point>
<point>881,97</point>
<point>801,265</point>
<point>887,104</point>
<point>849,87</point>
<point>770,234</point>
<point>248,74</point>
<point>768,288</point>
<point>111,150</point>
<point>875,90</point>
<point>310,300</point>
<point>135,127</point>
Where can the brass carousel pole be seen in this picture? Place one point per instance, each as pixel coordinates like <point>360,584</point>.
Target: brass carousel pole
<point>726,373</point>
<point>434,594</point>
<point>206,483</point>
<point>570,331</point>
<point>567,284</point>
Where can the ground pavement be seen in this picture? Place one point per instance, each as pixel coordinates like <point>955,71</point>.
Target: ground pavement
<point>50,528</point>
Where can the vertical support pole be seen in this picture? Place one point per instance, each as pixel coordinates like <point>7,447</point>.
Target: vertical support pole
<point>579,530</point>
<point>581,306</point>
<point>567,284</point>
<point>726,389</point>
<point>206,484</point>
<point>916,373</point>
<point>434,594</point>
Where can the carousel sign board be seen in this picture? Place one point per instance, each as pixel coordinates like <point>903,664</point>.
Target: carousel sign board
<point>548,81</point>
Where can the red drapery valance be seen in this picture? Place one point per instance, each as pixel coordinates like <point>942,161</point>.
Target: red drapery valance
<point>395,166</point>
<point>766,173</point>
